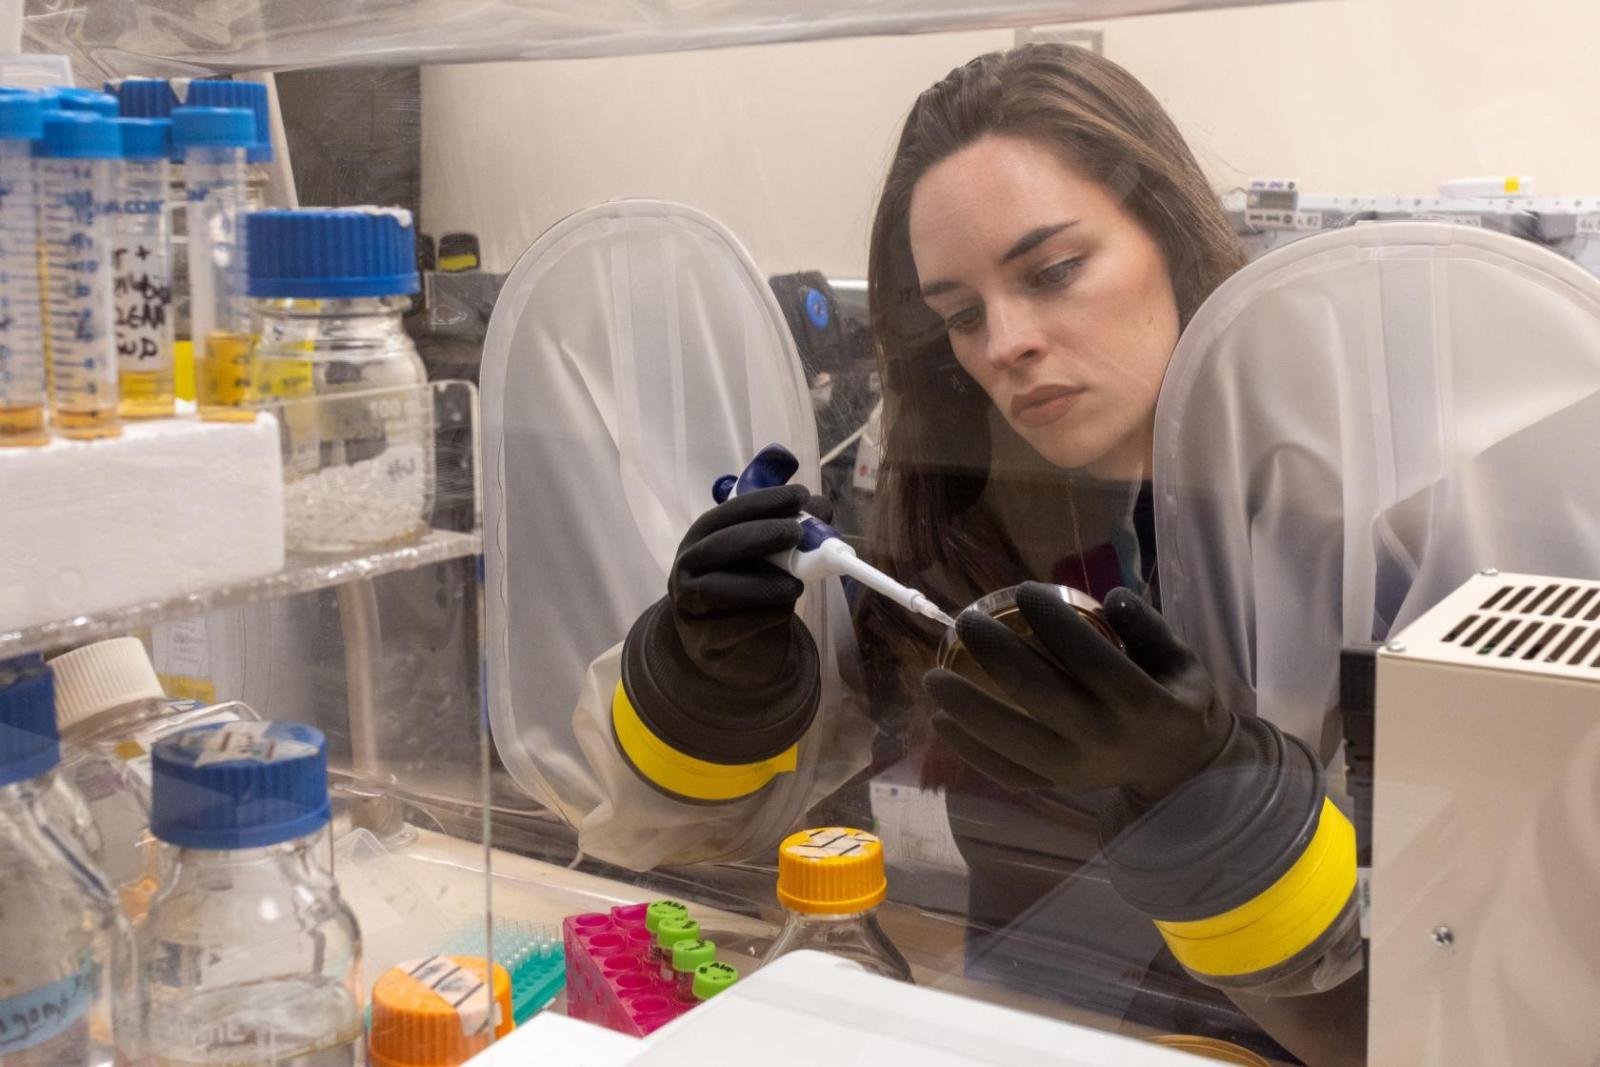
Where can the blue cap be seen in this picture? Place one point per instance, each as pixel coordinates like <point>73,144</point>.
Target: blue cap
<point>21,115</point>
<point>144,98</point>
<point>78,135</point>
<point>70,98</point>
<point>331,252</point>
<point>216,127</point>
<point>28,738</point>
<point>239,785</point>
<point>252,96</point>
<point>145,138</point>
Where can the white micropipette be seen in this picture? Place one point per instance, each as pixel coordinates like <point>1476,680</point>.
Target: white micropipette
<point>821,551</point>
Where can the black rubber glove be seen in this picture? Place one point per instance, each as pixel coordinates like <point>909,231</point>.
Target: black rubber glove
<point>1086,716</point>
<point>732,610</point>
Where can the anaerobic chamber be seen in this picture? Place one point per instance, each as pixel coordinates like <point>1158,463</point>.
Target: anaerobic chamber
<point>641,234</point>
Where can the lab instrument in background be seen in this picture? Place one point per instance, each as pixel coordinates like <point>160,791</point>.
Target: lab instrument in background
<point>1486,828</point>
<point>1271,212</point>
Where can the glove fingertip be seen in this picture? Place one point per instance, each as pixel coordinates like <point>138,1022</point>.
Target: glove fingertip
<point>1038,601</point>
<point>1131,615</point>
<point>1123,599</point>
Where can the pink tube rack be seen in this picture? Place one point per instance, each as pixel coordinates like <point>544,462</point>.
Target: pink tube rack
<point>610,979</point>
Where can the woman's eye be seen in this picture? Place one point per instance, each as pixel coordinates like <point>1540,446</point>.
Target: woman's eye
<point>1057,273</point>
<point>964,321</point>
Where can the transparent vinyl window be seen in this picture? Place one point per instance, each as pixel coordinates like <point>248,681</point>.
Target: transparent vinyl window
<point>1298,350</point>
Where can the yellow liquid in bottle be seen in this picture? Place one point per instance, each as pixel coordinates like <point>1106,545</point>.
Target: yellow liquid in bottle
<point>147,394</point>
<point>88,425</point>
<point>23,426</point>
<point>225,379</point>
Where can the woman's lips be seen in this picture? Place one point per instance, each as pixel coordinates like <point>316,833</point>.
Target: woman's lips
<point>1040,407</point>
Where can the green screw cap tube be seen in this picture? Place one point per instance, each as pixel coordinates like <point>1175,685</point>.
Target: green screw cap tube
<point>689,955</point>
<point>712,978</point>
<point>661,909</point>
<point>675,928</point>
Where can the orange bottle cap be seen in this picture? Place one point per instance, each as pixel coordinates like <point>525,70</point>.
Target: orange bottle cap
<point>831,871</point>
<point>437,1012</point>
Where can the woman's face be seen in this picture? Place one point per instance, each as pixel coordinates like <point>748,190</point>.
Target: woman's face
<point>1058,302</point>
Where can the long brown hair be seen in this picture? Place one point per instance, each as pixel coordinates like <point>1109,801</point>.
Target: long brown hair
<point>937,447</point>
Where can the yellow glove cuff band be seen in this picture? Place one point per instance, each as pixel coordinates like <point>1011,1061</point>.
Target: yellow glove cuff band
<point>1282,921</point>
<point>684,775</point>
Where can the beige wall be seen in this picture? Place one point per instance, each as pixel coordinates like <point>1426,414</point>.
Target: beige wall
<point>787,143</point>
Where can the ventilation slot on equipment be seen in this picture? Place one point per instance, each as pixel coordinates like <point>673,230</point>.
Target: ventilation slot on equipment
<point>1555,605</point>
<point>1584,649</point>
<point>1521,639</point>
<point>1499,637</point>
<point>1566,643</point>
<point>1477,636</point>
<point>1494,598</point>
<point>1544,594</point>
<point>1577,605</point>
<point>1522,594</point>
<point>1455,631</point>
<point>1550,634</point>
<point>1593,613</point>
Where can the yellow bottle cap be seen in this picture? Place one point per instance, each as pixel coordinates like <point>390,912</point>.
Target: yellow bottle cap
<point>830,871</point>
<point>435,1012</point>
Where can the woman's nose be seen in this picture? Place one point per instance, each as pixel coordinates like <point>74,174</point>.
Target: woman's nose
<point>1014,336</point>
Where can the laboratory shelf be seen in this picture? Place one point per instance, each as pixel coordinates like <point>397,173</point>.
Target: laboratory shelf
<point>301,574</point>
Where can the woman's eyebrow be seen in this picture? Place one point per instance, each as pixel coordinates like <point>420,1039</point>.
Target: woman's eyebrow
<point>1034,238</point>
<point>1027,243</point>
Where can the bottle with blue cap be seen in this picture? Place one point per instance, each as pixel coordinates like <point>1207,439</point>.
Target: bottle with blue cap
<point>248,956</point>
<point>22,378</point>
<point>76,162</point>
<point>66,957</point>
<point>214,142</point>
<point>111,710</point>
<point>141,259</point>
<point>331,285</point>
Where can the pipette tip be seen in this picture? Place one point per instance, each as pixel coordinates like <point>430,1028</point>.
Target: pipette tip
<point>931,610</point>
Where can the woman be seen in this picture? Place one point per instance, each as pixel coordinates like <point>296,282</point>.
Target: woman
<point>1042,237</point>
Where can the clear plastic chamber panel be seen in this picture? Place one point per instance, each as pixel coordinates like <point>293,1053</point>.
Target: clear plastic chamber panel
<point>372,647</point>
<point>1354,507</point>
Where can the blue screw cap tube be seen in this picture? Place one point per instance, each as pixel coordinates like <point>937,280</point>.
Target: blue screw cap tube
<point>22,376</point>
<point>76,162</point>
<point>141,258</point>
<point>214,141</point>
